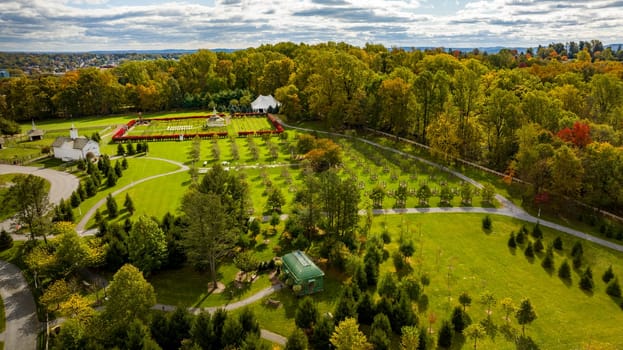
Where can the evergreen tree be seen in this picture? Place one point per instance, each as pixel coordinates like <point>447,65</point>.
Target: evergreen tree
<point>529,251</point>
<point>548,260</point>
<point>577,249</point>
<point>558,243</point>
<point>82,193</point>
<point>201,332</point>
<point>346,306</point>
<point>306,313</point>
<point>320,338</point>
<point>564,271</point>
<point>130,149</point>
<point>90,187</point>
<point>111,206</point>
<point>525,314</point>
<point>297,340</point>
<point>586,281</point>
<point>366,309</point>
<point>380,332</point>
<point>445,335</point>
<point>124,163</point>
<point>512,243</point>
<point>608,275</point>
<point>120,149</point>
<point>233,334</point>
<point>536,231</point>
<point>613,288</point>
<point>111,178</point>
<point>128,204</point>
<point>460,320</point>
<point>6,241</point>
<point>118,169</point>
<point>75,199</point>
<point>538,246</point>
<point>520,238</point>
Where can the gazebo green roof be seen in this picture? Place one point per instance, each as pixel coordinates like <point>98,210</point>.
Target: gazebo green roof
<point>301,266</point>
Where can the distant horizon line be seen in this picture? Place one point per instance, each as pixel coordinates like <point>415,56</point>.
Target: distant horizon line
<point>223,49</point>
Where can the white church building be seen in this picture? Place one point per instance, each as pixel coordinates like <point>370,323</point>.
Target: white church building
<point>75,147</point>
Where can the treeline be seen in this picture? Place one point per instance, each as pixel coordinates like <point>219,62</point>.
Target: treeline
<point>515,112</point>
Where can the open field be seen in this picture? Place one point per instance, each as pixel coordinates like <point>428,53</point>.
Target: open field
<point>455,246</point>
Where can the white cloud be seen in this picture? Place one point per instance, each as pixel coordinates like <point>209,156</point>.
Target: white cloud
<point>102,24</point>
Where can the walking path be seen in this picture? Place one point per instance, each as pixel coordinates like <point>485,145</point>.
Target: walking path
<point>22,325</point>
<point>85,219</point>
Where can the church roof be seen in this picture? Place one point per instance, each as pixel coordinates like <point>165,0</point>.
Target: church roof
<point>35,132</point>
<point>68,142</point>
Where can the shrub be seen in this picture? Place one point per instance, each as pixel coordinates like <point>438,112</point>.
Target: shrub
<point>529,252</point>
<point>608,275</point>
<point>613,288</point>
<point>564,271</point>
<point>486,223</point>
<point>6,241</point>
<point>512,243</point>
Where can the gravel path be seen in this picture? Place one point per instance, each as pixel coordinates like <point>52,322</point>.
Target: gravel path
<point>22,324</point>
<point>62,184</point>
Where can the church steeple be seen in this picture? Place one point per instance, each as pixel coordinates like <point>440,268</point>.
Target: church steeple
<point>73,132</point>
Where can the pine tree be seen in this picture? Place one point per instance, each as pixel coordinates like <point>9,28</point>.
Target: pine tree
<point>586,281</point>
<point>525,314</point>
<point>111,205</point>
<point>512,243</point>
<point>124,163</point>
<point>536,231</point>
<point>118,169</point>
<point>613,288</point>
<point>460,320</point>
<point>120,149</point>
<point>529,252</point>
<point>128,204</point>
<point>75,199</point>
<point>558,243</point>
<point>130,149</point>
<point>445,335</point>
<point>608,275</point>
<point>564,271</point>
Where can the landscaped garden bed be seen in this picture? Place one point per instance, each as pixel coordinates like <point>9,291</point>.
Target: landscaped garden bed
<point>180,128</point>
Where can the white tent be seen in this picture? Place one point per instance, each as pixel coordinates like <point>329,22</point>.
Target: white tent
<point>262,103</point>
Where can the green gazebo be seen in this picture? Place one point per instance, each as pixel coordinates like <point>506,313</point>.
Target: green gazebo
<point>301,271</point>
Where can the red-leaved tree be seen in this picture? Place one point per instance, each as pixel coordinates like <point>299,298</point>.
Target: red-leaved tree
<point>579,135</point>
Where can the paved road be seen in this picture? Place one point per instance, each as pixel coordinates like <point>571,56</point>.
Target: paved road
<point>22,324</point>
<point>62,184</point>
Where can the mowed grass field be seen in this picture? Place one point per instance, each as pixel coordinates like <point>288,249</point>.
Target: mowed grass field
<point>458,256</point>
<point>190,126</point>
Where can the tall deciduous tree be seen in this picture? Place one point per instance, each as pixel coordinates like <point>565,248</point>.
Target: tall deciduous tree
<point>130,297</point>
<point>30,197</point>
<point>147,245</point>
<point>209,237</point>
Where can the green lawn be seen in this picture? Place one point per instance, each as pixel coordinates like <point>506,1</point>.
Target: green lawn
<point>138,168</point>
<point>192,289</point>
<point>458,256</point>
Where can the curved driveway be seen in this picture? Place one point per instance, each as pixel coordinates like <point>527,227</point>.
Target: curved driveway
<point>62,184</point>
<point>22,324</point>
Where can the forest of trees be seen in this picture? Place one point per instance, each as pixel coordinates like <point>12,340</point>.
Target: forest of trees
<point>546,117</point>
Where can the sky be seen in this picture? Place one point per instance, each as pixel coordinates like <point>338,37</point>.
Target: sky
<point>89,25</point>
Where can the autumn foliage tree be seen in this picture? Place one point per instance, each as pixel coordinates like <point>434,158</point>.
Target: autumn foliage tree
<point>579,134</point>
